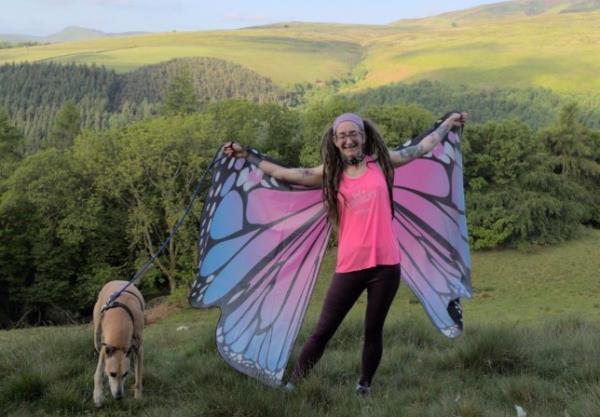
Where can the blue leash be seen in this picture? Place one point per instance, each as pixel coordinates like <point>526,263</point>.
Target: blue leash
<point>109,304</point>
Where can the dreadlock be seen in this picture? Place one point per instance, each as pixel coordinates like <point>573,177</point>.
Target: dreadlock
<point>333,166</point>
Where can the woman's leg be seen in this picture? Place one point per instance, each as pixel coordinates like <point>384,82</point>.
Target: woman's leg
<point>381,290</point>
<point>342,294</point>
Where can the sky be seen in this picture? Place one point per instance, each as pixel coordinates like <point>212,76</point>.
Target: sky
<point>44,17</point>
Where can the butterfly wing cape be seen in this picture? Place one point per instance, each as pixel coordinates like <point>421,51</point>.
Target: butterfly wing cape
<point>431,228</point>
<point>261,243</point>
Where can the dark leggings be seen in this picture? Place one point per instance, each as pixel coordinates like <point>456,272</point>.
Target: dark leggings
<point>381,283</point>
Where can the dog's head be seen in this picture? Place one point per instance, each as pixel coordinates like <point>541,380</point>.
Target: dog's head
<point>116,368</point>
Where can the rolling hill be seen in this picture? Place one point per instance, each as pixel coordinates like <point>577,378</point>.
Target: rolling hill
<point>521,9</point>
<point>539,43</point>
<point>68,34</point>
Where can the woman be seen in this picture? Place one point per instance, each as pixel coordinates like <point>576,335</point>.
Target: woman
<point>357,177</point>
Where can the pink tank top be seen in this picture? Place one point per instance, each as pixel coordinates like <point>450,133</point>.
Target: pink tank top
<point>365,237</point>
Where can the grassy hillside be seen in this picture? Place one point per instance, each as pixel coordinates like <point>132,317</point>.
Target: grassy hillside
<point>532,340</point>
<point>553,51</point>
<point>521,9</point>
<point>284,59</point>
<point>550,43</point>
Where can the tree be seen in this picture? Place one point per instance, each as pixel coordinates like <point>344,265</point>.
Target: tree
<point>272,129</point>
<point>573,154</point>
<point>514,194</point>
<point>58,241</point>
<point>11,145</point>
<point>569,142</point>
<point>400,122</point>
<point>180,97</point>
<point>148,170</point>
<point>66,127</point>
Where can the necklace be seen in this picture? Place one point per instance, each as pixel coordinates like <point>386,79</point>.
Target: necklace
<point>355,160</point>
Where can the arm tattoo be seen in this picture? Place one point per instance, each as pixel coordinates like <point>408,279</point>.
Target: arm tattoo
<point>411,152</point>
<point>441,131</point>
<point>305,172</point>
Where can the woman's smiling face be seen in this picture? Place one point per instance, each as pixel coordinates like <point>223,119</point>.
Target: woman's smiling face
<point>349,140</point>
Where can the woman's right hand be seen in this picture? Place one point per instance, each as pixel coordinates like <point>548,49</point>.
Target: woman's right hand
<point>457,119</point>
<point>234,149</point>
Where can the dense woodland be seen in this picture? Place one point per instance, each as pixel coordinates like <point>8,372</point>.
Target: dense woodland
<point>536,107</point>
<point>95,191</point>
<point>33,93</point>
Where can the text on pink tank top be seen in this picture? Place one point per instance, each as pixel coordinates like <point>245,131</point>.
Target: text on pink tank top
<point>365,236</point>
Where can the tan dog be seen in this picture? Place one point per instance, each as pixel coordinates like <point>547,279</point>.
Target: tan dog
<point>118,338</point>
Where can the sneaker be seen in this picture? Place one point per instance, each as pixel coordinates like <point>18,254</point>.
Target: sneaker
<point>363,391</point>
<point>455,312</point>
<point>289,387</point>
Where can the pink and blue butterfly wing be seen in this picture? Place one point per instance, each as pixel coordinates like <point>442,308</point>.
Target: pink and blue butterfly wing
<point>431,229</point>
<point>260,247</point>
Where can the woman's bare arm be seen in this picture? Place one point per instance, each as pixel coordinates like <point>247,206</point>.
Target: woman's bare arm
<point>302,176</point>
<point>430,141</point>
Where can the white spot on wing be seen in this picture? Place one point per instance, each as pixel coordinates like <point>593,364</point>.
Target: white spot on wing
<point>242,177</point>
<point>235,297</point>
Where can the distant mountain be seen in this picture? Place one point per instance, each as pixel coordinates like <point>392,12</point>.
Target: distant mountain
<point>71,33</point>
<point>75,33</point>
<point>17,38</point>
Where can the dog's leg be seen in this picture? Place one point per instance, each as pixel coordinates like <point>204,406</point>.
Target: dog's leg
<point>139,368</point>
<point>98,336</point>
<point>98,397</point>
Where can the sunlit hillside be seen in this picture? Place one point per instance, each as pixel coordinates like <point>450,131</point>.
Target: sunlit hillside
<point>549,43</point>
<point>519,9</point>
<point>553,51</point>
<point>285,59</point>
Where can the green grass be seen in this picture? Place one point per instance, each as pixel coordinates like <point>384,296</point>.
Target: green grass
<point>284,59</point>
<point>556,51</point>
<point>532,339</point>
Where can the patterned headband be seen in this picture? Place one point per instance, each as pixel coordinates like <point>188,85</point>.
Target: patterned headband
<point>348,117</point>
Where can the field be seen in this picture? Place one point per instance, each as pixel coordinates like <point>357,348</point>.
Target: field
<point>532,340</point>
<point>286,60</point>
<point>556,51</point>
